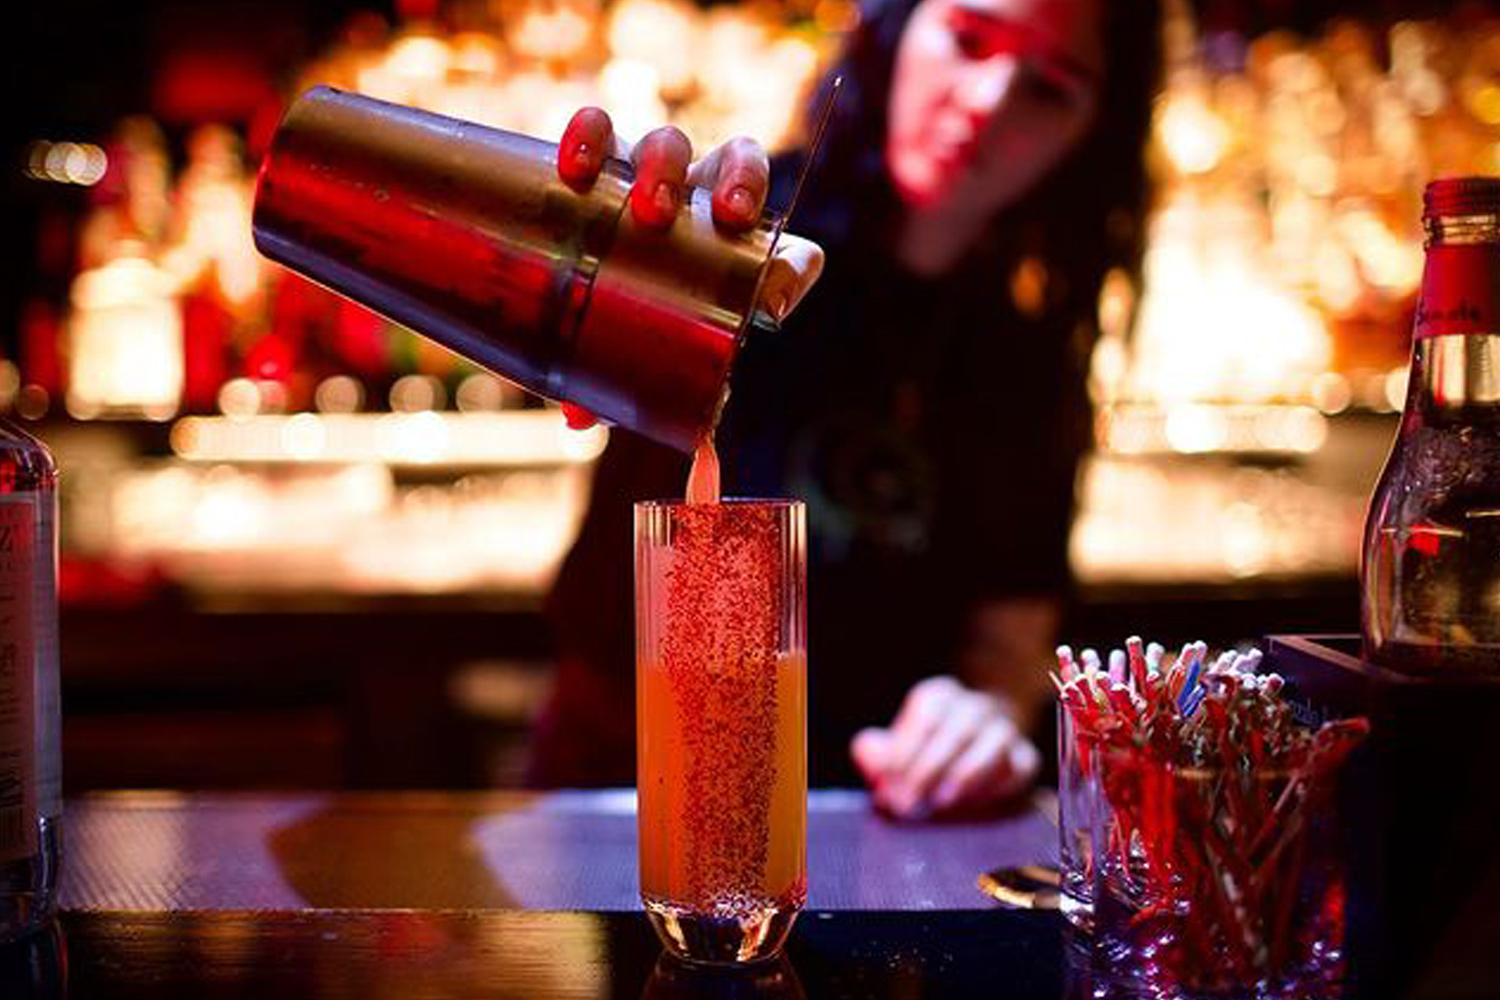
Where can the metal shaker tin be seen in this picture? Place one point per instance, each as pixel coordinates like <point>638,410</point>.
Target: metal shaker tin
<point>466,235</point>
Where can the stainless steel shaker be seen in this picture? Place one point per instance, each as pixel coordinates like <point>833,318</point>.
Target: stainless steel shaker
<point>466,235</point>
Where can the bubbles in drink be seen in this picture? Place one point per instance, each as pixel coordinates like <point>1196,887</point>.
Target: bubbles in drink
<point>723,765</point>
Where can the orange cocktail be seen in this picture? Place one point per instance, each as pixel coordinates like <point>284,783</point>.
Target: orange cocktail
<point>721,715</point>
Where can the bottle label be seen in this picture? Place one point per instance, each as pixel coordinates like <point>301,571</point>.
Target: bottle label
<point>1460,291</point>
<point>18,675</point>
<point>45,649</point>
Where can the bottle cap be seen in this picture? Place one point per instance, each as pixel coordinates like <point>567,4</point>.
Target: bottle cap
<point>1459,196</point>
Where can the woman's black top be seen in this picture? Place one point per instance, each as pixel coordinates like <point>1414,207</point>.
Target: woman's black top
<point>933,428</point>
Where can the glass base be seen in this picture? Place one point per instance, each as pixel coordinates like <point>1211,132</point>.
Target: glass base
<point>1076,908</point>
<point>1138,955</point>
<point>751,936</point>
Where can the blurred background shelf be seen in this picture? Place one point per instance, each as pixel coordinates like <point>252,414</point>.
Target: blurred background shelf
<point>304,547</point>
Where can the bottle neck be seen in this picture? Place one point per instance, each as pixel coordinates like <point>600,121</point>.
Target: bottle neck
<point>1455,371</point>
<point>1461,230</point>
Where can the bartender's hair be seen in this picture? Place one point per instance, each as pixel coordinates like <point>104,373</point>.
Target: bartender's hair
<point>1087,215</point>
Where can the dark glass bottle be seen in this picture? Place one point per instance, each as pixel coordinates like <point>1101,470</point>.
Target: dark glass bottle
<point>1430,573</point>
<point>30,765</point>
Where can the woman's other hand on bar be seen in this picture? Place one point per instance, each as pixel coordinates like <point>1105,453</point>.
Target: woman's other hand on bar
<point>738,173</point>
<point>951,749</point>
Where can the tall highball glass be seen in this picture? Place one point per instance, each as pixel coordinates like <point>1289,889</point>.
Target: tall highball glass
<point>721,724</point>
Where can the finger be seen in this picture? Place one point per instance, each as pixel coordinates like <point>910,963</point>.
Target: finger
<point>979,772</point>
<point>912,788</point>
<point>871,749</point>
<point>588,139</point>
<point>661,162</point>
<point>739,174</point>
<point>999,763</point>
<point>792,271</point>
<point>920,715</point>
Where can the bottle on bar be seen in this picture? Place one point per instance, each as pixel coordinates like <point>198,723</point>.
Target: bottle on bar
<point>1430,572</point>
<point>30,757</point>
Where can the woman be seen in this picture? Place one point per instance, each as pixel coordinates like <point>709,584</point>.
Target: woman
<point>926,400</point>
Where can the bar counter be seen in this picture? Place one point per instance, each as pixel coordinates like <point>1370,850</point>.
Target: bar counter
<point>503,895</point>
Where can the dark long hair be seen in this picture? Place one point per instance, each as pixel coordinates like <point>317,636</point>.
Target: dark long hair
<point>1087,215</point>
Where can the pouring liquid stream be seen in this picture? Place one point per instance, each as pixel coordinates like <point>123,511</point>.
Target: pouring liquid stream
<point>703,479</point>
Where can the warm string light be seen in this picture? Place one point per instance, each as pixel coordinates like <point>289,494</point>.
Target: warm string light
<point>538,438</point>
<point>1285,247</point>
<point>349,528</point>
<point>319,500</point>
<point>712,72</point>
<point>78,163</point>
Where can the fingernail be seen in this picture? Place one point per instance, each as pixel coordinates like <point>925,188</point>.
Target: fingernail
<point>582,155</point>
<point>781,303</point>
<point>577,417</point>
<point>740,200</point>
<point>666,198</point>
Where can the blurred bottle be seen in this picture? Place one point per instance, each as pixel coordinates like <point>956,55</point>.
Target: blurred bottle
<point>1430,572</point>
<point>30,759</point>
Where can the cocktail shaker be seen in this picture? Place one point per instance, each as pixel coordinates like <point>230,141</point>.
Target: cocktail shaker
<point>466,235</point>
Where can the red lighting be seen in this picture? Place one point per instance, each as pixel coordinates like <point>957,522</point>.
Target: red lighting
<point>418,10</point>
<point>212,85</point>
<point>1426,543</point>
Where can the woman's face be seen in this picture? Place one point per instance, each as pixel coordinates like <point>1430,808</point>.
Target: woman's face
<point>988,96</point>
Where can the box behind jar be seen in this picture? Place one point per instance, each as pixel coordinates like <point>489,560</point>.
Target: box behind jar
<point>1421,808</point>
